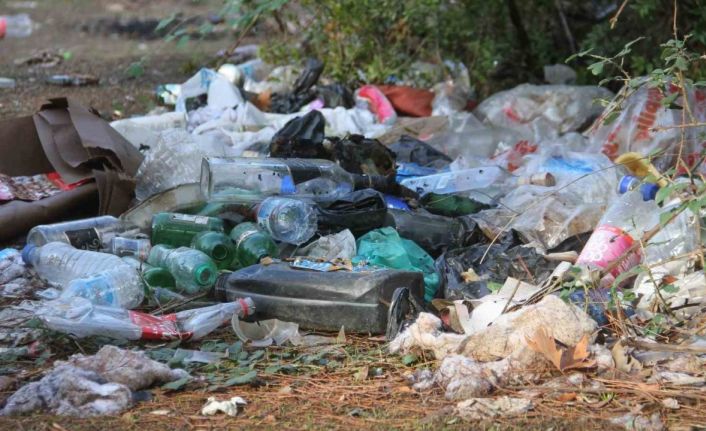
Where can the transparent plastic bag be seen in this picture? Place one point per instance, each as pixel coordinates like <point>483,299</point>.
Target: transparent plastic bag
<point>634,128</point>
<point>541,112</point>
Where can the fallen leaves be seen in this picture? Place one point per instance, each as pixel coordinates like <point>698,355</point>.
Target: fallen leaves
<point>570,358</point>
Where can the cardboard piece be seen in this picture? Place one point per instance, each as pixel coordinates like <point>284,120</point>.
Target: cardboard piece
<point>76,142</point>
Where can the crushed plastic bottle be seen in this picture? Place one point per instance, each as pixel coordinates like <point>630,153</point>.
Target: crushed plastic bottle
<point>88,234</point>
<point>251,244</point>
<point>287,220</point>
<point>60,263</point>
<point>77,316</point>
<point>242,179</point>
<point>193,271</point>
<point>15,26</point>
<point>490,180</point>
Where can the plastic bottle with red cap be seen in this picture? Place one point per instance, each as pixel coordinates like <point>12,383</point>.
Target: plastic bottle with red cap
<point>15,26</point>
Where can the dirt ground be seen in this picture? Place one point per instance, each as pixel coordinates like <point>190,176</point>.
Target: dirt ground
<point>320,397</point>
<point>84,34</point>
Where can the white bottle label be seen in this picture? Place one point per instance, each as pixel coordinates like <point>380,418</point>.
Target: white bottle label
<point>191,218</point>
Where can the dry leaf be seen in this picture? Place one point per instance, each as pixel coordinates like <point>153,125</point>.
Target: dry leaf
<point>362,374</point>
<point>623,361</point>
<point>566,397</point>
<point>563,359</point>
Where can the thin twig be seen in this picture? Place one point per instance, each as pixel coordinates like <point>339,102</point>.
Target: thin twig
<point>614,20</point>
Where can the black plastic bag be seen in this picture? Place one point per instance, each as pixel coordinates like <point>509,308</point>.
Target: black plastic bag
<point>411,150</point>
<point>301,137</point>
<point>360,155</point>
<point>302,93</point>
<point>360,211</point>
<point>335,95</point>
<point>523,263</point>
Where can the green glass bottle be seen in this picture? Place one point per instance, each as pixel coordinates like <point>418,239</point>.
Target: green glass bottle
<point>251,244</point>
<point>158,277</point>
<point>178,230</point>
<point>217,245</point>
<point>193,271</point>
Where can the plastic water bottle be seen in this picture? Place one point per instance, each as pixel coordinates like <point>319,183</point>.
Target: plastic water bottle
<point>193,271</point>
<point>251,244</point>
<point>629,183</point>
<point>245,179</point>
<point>60,263</point>
<point>118,287</point>
<point>15,26</point>
<point>216,245</point>
<point>88,234</point>
<point>137,247</point>
<point>178,230</point>
<point>287,220</point>
<point>623,223</point>
<point>466,180</point>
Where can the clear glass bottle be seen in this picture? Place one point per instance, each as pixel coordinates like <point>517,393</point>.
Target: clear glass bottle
<point>136,247</point>
<point>288,220</point>
<point>88,234</point>
<point>193,271</point>
<point>245,179</point>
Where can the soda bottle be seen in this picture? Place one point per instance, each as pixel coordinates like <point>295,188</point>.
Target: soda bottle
<point>60,263</point>
<point>193,271</point>
<point>623,223</point>
<point>217,245</point>
<point>287,220</point>
<point>87,234</point>
<point>251,244</point>
<point>178,230</point>
<point>245,179</point>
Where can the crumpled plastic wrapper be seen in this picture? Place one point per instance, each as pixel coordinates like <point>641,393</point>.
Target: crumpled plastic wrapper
<point>229,407</point>
<point>95,385</point>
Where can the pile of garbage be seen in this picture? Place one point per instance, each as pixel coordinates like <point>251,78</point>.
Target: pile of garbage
<point>527,234</point>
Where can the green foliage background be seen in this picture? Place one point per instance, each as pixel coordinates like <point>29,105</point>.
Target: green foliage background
<point>373,40</point>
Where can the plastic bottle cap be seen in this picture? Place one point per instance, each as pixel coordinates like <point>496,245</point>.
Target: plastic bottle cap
<point>649,191</point>
<point>27,253</point>
<point>287,187</point>
<point>625,183</point>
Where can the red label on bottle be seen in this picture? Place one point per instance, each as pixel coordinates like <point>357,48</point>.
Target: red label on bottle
<point>3,27</point>
<point>158,328</point>
<point>605,245</point>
